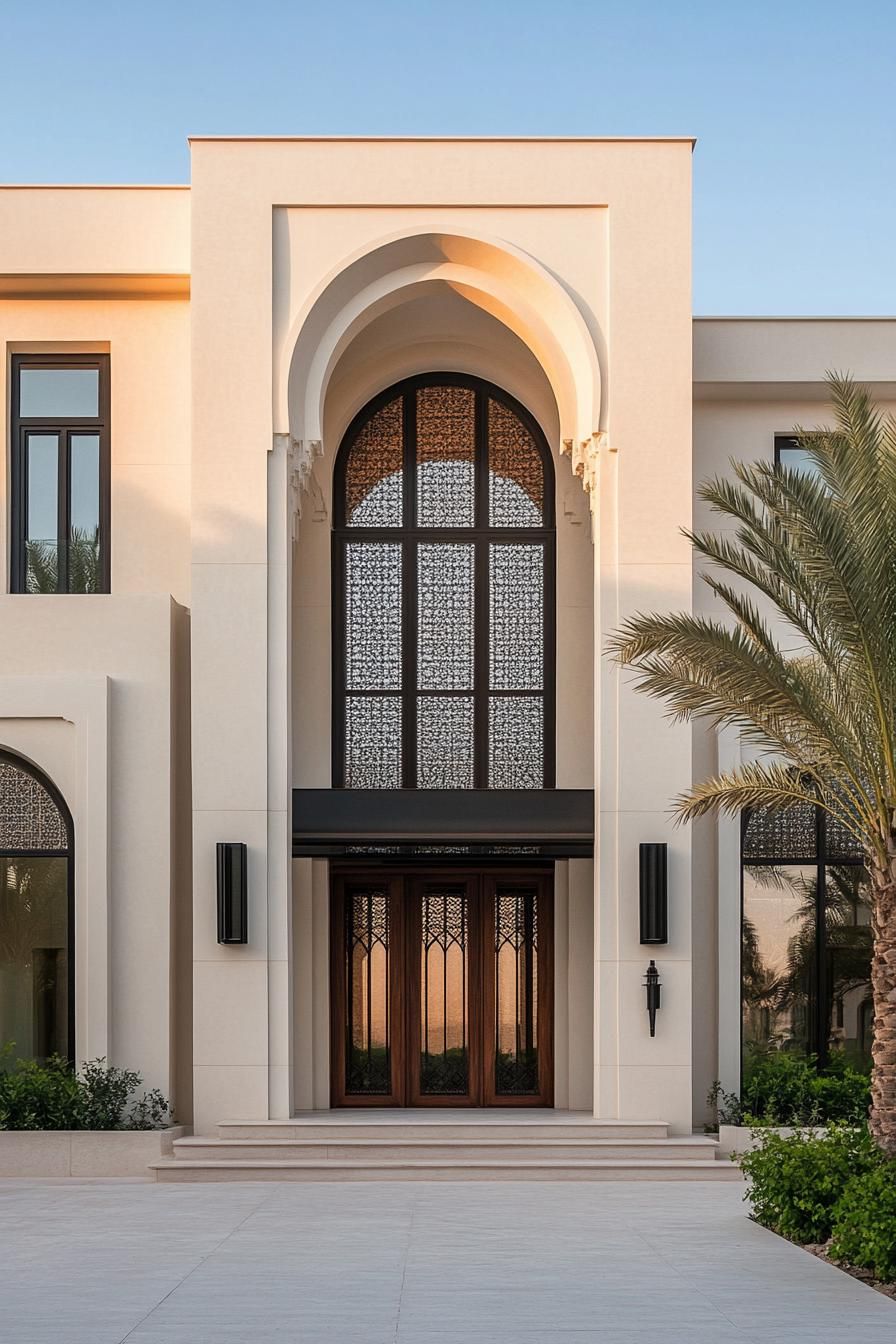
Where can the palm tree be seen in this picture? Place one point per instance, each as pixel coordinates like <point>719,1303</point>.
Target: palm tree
<point>813,551</point>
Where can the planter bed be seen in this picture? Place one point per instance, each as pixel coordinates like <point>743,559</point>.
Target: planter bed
<point>84,1152</point>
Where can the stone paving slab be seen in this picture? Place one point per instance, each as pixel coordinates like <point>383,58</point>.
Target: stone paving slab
<point>540,1263</point>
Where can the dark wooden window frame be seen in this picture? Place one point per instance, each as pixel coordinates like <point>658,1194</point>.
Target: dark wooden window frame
<point>823,859</point>
<point>64,427</point>
<point>409,536</point>
<point>20,763</point>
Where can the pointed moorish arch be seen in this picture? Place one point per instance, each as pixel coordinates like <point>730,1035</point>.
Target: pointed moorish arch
<point>494,275</point>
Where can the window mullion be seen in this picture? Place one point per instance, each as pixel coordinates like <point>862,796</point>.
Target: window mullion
<point>409,595</point>
<point>63,507</point>
<point>821,952</point>
<point>481,599</point>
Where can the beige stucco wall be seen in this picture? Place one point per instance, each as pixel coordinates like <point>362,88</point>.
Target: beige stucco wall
<point>149,345</point>
<point>753,379</point>
<point>94,690</point>
<point>262,267</point>
<point>489,235</point>
<point>87,693</point>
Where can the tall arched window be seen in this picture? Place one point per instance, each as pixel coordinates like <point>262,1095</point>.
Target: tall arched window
<point>36,914</point>
<point>443,584</point>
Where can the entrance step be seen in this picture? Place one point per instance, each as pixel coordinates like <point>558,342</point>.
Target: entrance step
<point>607,1169</point>
<point>405,1146</point>
<point>431,1149</point>
<point>465,1126</point>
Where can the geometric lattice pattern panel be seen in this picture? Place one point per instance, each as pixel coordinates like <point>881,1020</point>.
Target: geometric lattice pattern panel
<point>445,742</point>
<point>774,836</point>
<point>373,741</point>
<point>446,452</point>
<point>516,617</point>
<point>373,480</point>
<point>516,742</point>
<point>840,843</point>
<point>373,616</point>
<point>516,476</point>
<point>445,607</point>
<point>29,819</point>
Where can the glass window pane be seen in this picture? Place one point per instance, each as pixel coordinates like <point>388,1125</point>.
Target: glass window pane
<point>849,1010</point>
<point>34,956</point>
<point>84,540</point>
<point>445,606</point>
<point>59,394</point>
<point>41,523</point>
<point>778,957</point>
<point>446,451</point>
<point>445,742</point>
<point>368,1056</point>
<point>373,616</point>
<point>516,617</point>
<point>444,986</point>
<point>516,742</point>
<point>797,459</point>
<point>373,475</point>
<point>516,990</point>
<point>515,471</point>
<point>373,742</point>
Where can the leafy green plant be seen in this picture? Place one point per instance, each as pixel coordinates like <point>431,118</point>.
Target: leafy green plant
<point>782,1088</point>
<point>864,1227</point>
<point>39,1096</point>
<point>795,1183</point>
<point>52,1095</point>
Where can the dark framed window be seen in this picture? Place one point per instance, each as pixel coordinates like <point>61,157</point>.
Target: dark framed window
<point>790,453</point>
<point>37,914</point>
<point>60,474</point>
<point>806,938</point>
<point>443,592</point>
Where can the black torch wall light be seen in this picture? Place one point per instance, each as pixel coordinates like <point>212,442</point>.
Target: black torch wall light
<point>654,916</point>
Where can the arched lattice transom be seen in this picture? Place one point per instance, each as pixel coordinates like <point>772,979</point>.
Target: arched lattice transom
<point>36,915</point>
<point>443,592</point>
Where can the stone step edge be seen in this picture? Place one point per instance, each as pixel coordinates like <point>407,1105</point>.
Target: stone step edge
<point>676,1141</point>
<point>395,1164</point>
<point>332,1117</point>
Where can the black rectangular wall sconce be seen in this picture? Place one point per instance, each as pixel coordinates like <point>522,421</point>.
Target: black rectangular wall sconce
<point>654,893</point>
<point>233,922</point>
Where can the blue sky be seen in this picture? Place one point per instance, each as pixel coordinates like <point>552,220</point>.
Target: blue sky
<point>792,103</point>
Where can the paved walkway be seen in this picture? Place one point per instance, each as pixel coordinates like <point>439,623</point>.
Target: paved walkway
<point>100,1263</point>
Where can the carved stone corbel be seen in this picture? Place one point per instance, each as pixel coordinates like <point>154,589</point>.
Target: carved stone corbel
<point>585,457</point>
<point>300,457</point>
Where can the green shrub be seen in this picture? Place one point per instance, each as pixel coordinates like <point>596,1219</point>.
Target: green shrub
<point>52,1095</point>
<point>39,1096</point>
<point>796,1182</point>
<point>864,1228</point>
<point>781,1088</point>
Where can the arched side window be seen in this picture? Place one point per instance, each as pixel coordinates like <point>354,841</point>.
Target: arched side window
<point>36,914</point>
<point>443,592</point>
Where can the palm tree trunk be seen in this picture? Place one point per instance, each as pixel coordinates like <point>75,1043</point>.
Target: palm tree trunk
<point>883,984</point>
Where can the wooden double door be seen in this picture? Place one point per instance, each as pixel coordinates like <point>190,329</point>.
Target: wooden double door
<point>442,987</point>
